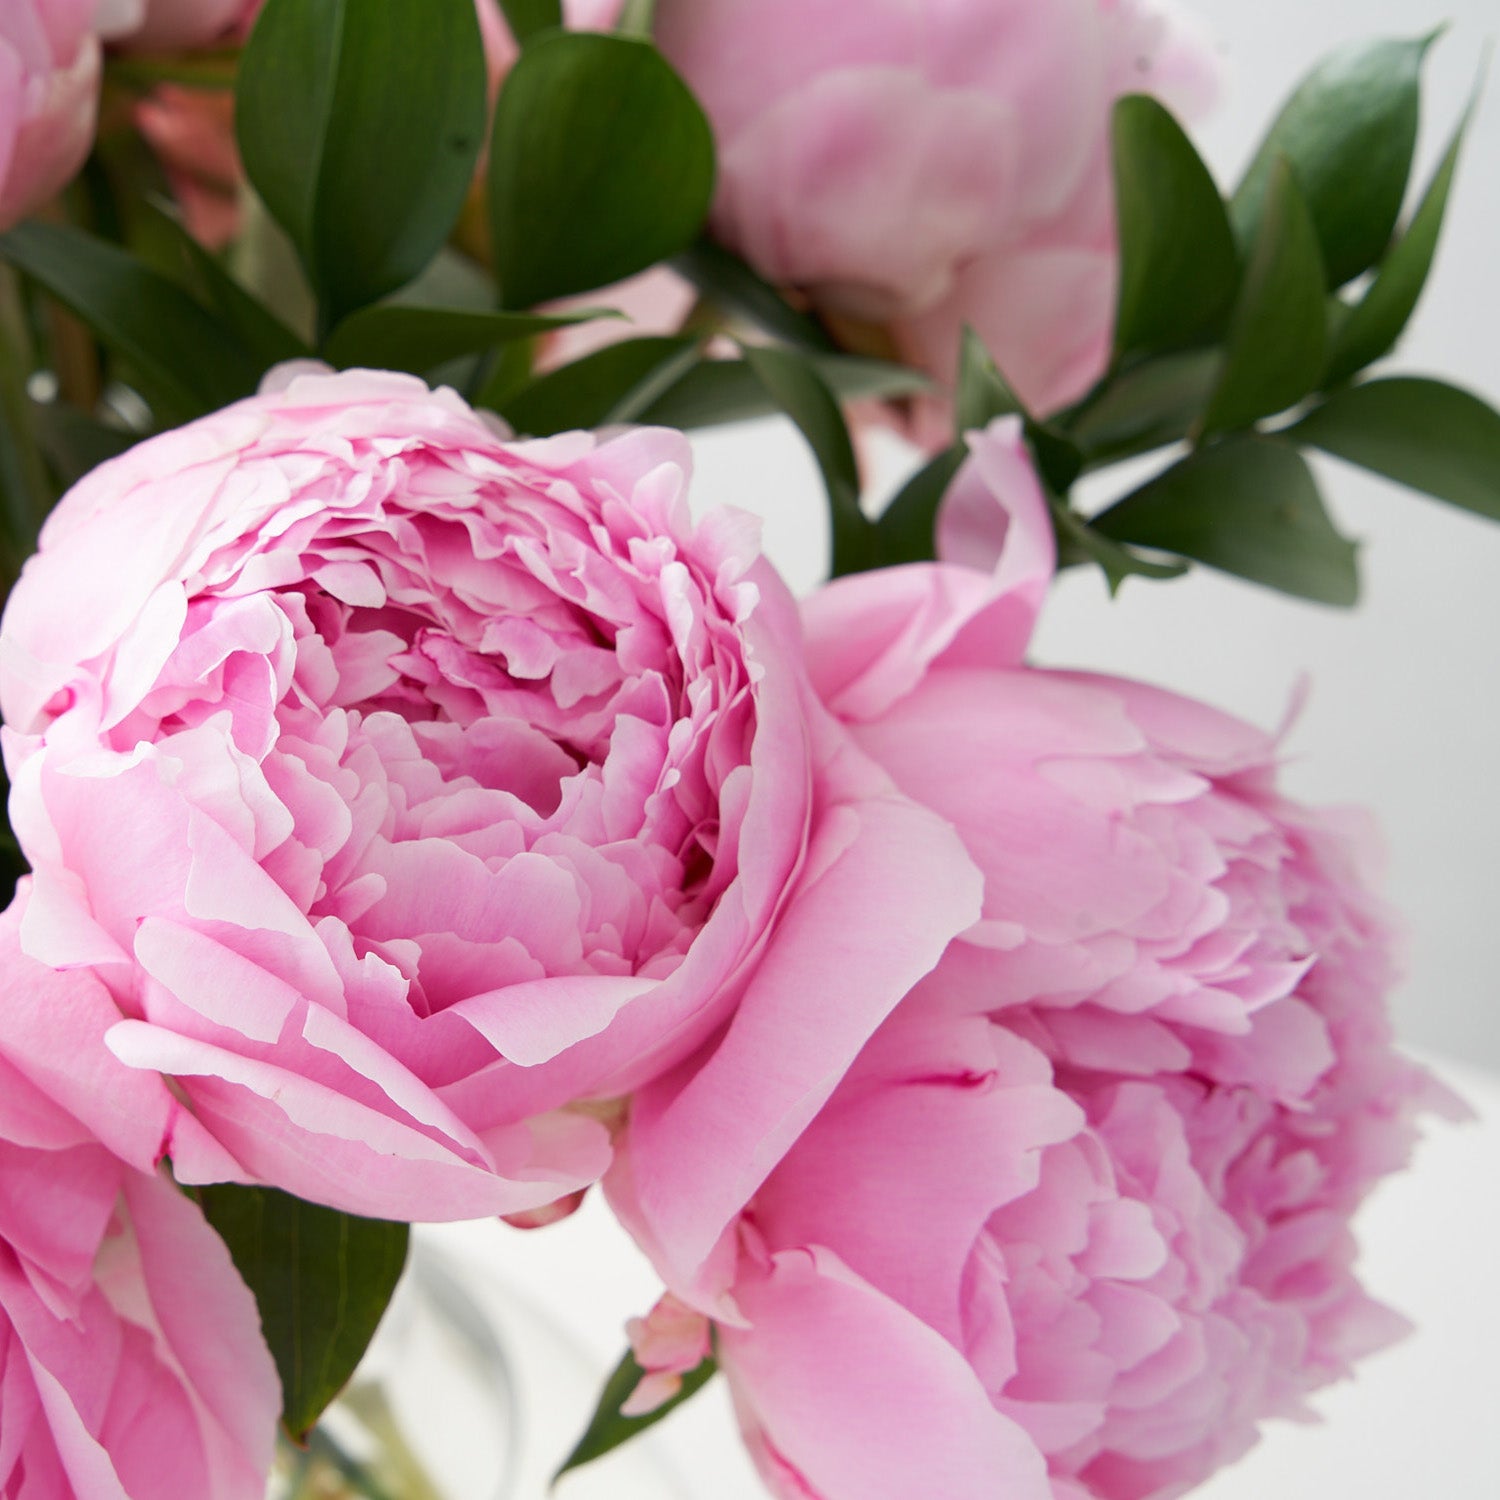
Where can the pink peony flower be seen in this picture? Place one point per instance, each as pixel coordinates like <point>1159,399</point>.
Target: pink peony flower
<point>1078,1217</point>
<point>407,786</point>
<point>912,168</point>
<point>132,1359</point>
<point>174,25</point>
<point>49,95</point>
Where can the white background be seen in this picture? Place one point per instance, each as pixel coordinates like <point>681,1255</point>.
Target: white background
<point>1403,717</point>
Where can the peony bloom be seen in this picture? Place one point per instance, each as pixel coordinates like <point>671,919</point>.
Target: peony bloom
<point>1078,1217</point>
<point>407,786</point>
<point>912,168</point>
<point>174,25</point>
<point>132,1359</point>
<point>49,95</point>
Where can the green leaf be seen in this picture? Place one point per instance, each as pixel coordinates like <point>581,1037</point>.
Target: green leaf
<point>906,526</point>
<point>728,390</point>
<point>1380,317</point>
<point>1178,264</point>
<point>1276,345</point>
<point>267,338</point>
<point>1146,406</point>
<point>360,125</point>
<point>609,1428</point>
<point>75,444</point>
<point>399,337</point>
<point>602,164</point>
<point>1247,506</point>
<point>802,394</point>
<point>1078,543</point>
<point>586,392</point>
<point>186,362</point>
<point>528,17</point>
<point>981,392</point>
<point>729,282</point>
<point>322,1280</point>
<point>639,399</point>
<point>1349,131</point>
<point>1423,433</point>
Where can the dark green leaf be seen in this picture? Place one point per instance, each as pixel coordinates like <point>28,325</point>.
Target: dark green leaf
<point>1349,131</point>
<point>1178,266</point>
<point>1248,506</point>
<point>398,337</point>
<point>1378,319</point>
<point>728,390</point>
<point>1058,459</point>
<point>906,526</point>
<point>528,17</point>
<point>586,392</point>
<point>1147,406</point>
<point>981,392</point>
<point>360,125</point>
<point>728,281</point>
<point>602,164</point>
<point>651,387</point>
<point>801,393</point>
<point>25,494</point>
<point>1078,543</point>
<point>1276,346</point>
<point>267,338</point>
<point>322,1280</point>
<point>186,362</point>
<point>609,1428</point>
<point>1433,437</point>
<point>75,444</point>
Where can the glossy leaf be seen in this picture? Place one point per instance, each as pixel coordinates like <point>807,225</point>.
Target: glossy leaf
<point>1178,264</point>
<point>322,1280</point>
<point>728,390</point>
<point>1423,433</point>
<point>186,362</point>
<point>609,1427</point>
<point>1276,347</point>
<point>586,392</point>
<point>1349,131</point>
<point>726,279</point>
<point>1247,506</point>
<point>906,526</point>
<point>802,394</point>
<point>601,164</point>
<point>360,125</point>
<point>526,18</point>
<point>1380,317</point>
<point>266,337</point>
<point>400,337</point>
<point>1147,406</point>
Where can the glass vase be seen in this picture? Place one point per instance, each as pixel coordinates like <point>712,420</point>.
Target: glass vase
<point>469,1391</point>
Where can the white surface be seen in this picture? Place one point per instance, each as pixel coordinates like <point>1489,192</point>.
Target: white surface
<point>1404,715</point>
<point>1419,1421</point>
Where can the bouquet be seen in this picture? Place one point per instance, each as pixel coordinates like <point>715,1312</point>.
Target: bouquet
<point>425,804</point>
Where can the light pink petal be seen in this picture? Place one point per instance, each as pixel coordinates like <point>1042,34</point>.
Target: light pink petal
<point>861,1400</point>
